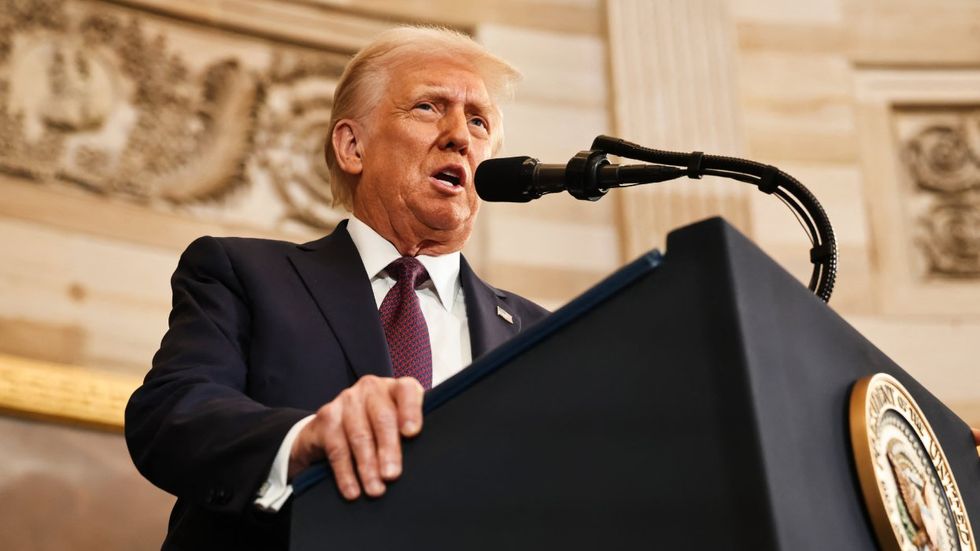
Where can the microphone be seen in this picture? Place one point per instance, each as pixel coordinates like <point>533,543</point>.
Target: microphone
<point>587,176</point>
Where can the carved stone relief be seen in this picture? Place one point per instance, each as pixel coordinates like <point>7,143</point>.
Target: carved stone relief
<point>176,117</point>
<point>941,152</point>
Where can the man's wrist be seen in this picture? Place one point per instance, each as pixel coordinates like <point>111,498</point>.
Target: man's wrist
<point>275,491</point>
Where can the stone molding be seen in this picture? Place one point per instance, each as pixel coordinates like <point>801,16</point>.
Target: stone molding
<point>675,88</point>
<point>59,392</point>
<point>918,132</point>
<point>940,147</point>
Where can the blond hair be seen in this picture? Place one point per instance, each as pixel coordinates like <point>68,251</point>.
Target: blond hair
<point>363,83</point>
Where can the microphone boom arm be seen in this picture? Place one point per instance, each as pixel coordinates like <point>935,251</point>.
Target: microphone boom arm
<point>587,181</point>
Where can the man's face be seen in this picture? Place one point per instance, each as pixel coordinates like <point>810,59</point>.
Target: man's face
<point>420,149</point>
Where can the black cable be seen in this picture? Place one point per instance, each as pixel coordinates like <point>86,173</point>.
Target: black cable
<point>733,175</point>
<point>768,179</point>
<point>803,220</point>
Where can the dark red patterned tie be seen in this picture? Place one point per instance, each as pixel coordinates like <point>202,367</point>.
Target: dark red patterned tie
<point>405,328</point>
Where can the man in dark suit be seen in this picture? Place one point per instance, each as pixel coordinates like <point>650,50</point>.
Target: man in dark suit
<point>280,355</point>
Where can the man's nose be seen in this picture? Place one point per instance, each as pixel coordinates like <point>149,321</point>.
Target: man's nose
<point>455,134</point>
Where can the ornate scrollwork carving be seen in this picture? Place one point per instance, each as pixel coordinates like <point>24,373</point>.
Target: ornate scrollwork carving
<point>943,160</point>
<point>292,124</point>
<point>952,237</point>
<point>946,159</point>
<point>90,98</point>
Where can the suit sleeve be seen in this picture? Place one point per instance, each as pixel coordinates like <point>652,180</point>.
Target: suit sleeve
<point>191,429</point>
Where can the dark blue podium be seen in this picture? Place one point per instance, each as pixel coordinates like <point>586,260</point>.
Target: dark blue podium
<point>695,400</point>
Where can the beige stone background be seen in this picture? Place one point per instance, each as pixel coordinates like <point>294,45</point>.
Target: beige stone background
<point>129,127</point>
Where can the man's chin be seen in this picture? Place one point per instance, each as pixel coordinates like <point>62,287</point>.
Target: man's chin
<point>446,227</point>
<point>446,218</point>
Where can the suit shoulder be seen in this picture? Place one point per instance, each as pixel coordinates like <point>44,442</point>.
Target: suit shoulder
<point>241,243</point>
<point>226,258</point>
<point>233,248</point>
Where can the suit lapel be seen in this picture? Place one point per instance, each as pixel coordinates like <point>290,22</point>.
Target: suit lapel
<point>488,328</point>
<point>334,275</point>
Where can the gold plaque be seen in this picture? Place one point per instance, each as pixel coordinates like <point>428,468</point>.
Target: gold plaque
<point>908,486</point>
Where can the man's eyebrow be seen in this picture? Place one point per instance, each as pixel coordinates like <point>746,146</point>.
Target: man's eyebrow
<point>445,92</point>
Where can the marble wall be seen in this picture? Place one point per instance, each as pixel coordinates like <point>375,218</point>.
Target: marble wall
<point>849,96</point>
<point>63,487</point>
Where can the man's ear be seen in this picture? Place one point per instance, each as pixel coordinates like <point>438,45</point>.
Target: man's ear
<point>347,146</point>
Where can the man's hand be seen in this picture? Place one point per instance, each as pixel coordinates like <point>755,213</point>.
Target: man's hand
<point>362,428</point>
<point>976,436</point>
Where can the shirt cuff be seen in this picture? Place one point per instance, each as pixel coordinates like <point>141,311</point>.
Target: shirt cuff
<point>275,490</point>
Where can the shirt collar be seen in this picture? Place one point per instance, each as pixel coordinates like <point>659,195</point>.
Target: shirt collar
<point>376,253</point>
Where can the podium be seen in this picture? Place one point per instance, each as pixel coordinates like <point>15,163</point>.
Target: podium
<point>695,400</point>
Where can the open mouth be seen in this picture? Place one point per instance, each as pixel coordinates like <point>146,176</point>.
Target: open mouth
<point>449,177</point>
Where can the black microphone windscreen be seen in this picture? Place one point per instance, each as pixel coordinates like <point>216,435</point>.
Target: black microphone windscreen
<point>506,179</point>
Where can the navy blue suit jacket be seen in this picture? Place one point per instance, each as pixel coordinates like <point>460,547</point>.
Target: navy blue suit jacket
<point>262,333</point>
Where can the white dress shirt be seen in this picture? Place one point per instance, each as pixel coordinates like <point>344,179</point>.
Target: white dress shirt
<point>443,307</point>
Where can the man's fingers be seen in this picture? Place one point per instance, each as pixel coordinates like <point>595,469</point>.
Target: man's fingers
<point>360,438</point>
<point>359,433</point>
<point>408,394</point>
<point>383,417</point>
<point>337,452</point>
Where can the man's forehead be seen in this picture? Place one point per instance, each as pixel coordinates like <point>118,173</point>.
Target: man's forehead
<point>443,78</point>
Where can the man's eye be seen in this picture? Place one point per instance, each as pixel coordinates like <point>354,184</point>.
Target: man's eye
<point>425,106</point>
<point>479,122</point>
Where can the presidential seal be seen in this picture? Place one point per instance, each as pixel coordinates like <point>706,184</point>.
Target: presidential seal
<point>908,486</point>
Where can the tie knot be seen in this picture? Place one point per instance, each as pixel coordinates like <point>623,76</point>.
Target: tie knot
<point>408,269</point>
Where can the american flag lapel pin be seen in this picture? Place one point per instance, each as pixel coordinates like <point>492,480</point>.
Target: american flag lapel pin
<point>506,315</point>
